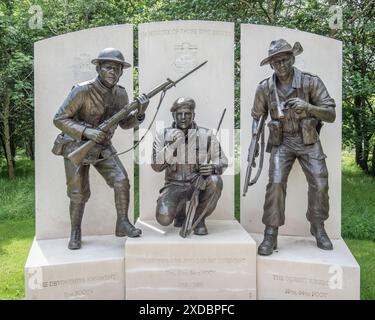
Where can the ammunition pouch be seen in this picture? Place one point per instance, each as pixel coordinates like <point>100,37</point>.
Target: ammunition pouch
<point>309,130</point>
<point>276,133</point>
<point>64,145</point>
<point>58,145</point>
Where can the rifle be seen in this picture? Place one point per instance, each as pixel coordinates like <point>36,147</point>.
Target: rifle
<point>80,153</point>
<point>259,134</point>
<point>200,184</point>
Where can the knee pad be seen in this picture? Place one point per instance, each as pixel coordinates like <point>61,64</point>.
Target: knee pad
<point>164,219</point>
<point>163,216</point>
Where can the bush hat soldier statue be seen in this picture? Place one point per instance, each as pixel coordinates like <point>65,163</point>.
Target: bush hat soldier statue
<point>88,105</point>
<point>181,151</point>
<point>298,102</point>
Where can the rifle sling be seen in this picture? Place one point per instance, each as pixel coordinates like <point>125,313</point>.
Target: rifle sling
<point>139,141</point>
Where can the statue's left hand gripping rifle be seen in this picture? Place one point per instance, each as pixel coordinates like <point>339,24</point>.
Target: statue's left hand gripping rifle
<point>78,155</point>
<point>253,153</point>
<point>199,185</point>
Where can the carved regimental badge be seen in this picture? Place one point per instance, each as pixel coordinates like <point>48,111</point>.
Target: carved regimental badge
<point>82,69</point>
<point>185,56</point>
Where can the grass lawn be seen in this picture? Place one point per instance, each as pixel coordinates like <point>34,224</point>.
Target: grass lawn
<point>358,201</point>
<point>16,227</point>
<point>15,242</point>
<point>17,224</point>
<point>364,252</point>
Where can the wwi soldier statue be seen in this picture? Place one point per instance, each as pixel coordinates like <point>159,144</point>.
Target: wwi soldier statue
<point>88,105</point>
<point>183,151</point>
<point>298,102</point>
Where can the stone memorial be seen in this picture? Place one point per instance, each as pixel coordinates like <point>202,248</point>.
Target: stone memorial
<point>297,256</point>
<point>163,265</point>
<point>219,266</point>
<point>218,260</point>
<point>61,62</point>
<point>169,49</point>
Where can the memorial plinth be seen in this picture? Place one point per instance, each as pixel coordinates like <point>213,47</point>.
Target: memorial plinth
<point>96,271</point>
<point>300,270</point>
<point>59,63</point>
<point>220,265</point>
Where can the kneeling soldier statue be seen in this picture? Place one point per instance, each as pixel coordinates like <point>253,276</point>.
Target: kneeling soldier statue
<point>183,151</point>
<point>86,107</point>
<point>297,102</point>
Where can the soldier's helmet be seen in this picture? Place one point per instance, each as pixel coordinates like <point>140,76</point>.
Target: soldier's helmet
<point>111,54</point>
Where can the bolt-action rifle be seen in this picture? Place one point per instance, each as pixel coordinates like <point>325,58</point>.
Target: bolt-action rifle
<point>258,134</point>
<point>200,185</point>
<point>78,155</point>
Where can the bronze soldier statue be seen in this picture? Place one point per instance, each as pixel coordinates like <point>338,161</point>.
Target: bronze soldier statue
<point>298,102</point>
<point>88,105</point>
<point>182,151</point>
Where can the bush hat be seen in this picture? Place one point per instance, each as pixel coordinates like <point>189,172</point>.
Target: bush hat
<point>281,46</point>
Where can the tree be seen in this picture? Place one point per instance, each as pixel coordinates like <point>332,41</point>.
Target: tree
<point>62,16</point>
<point>15,86</point>
<point>359,75</point>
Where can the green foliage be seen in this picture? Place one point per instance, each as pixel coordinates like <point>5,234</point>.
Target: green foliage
<point>364,252</point>
<point>237,194</point>
<point>358,38</point>
<point>358,201</point>
<point>62,16</point>
<point>15,242</point>
<point>17,196</point>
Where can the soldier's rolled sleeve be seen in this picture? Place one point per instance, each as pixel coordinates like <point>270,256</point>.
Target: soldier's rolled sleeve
<point>260,103</point>
<point>319,94</point>
<point>64,118</point>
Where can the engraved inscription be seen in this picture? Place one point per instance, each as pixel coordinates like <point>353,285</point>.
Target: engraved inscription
<point>168,261</point>
<point>306,293</point>
<point>303,280</point>
<point>78,293</point>
<point>80,281</point>
<point>187,31</point>
<point>193,273</point>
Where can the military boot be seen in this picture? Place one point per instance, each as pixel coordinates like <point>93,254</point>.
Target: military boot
<point>179,219</point>
<point>320,234</point>
<point>269,242</point>
<point>201,229</point>
<point>123,225</point>
<point>76,214</point>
